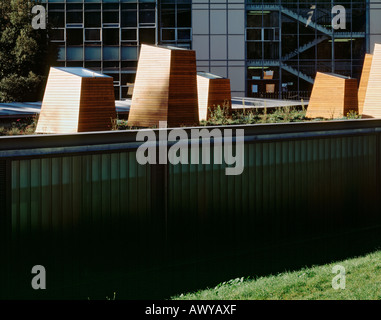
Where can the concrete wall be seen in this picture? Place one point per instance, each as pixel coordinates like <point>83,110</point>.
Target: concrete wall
<point>219,39</point>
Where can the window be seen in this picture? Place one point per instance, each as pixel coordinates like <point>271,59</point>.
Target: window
<point>176,23</point>
<point>183,34</point>
<point>58,35</point>
<point>111,53</point>
<point>168,15</point>
<point>74,13</point>
<point>74,53</point>
<point>129,18</point>
<point>147,14</point>
<point>184,15</point>
<point>110,36</point>
<point>74,36</point>
<point>93,19</point>
<point>92,35</point>
<point>57,19</point>
<point>93,53</point>
<point>147,35</point>
<point>168,35</point>
<point>129,35</point>
<point>110,13</point>
<point>129,53</point>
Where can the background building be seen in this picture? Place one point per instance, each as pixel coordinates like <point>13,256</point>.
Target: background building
<point>269,48</point>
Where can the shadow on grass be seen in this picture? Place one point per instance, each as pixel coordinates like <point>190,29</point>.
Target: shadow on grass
<point>144,280</point>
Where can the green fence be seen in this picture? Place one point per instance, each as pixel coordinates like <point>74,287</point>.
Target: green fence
<point>82,206</point>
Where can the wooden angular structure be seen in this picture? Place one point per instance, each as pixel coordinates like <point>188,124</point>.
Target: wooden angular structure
<point>372,101</point>
<point>165,88</point>
<point>77,100</point>
<point>333,96</point>
<point>212,91</point>
<point>364,81</point>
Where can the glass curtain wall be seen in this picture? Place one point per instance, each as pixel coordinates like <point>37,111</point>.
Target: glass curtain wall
<point>287,42</point>
<point>176,23</point>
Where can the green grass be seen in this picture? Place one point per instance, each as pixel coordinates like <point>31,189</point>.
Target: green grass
<point>363,282</point>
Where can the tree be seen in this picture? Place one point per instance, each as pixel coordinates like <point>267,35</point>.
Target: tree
<point>25,53</point>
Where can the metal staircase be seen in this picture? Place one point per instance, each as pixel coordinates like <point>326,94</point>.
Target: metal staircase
<point>277,63</point>
<point>304,20</point>
<point>304,48</point>
<point>327,33</point>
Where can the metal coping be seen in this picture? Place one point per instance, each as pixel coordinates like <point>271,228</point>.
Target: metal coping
<point>209,75</point>
<point>337,75</point>
<point>167,47</point>
<point>82,72</point>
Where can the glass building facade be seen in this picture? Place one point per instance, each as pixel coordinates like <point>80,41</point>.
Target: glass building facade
<point>269,48</point>
<point>106,35</point>
<point>287,42</point>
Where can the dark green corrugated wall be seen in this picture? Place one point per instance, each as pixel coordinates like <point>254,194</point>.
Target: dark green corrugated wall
<point>82,215</point>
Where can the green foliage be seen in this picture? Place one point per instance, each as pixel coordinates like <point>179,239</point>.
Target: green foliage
<point>220,116</point>
<point>362,283</point>
<point>15,87</point>
<point>20,127</point>
<point>25,54</point>
<point>353,115</point>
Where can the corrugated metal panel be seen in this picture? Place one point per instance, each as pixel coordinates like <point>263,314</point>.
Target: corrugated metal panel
<point>86,208</point>
<point>288,189</point>
<point>48,192</point>
<point>68,212</point>
<point>4,216</point>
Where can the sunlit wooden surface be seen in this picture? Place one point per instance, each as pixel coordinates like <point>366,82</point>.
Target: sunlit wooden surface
<point>77,100</point>
<point>165,88</point>
<point>364,81</point>
<point>333,96</point>
<point>372,102</point>
<point>213,91</point>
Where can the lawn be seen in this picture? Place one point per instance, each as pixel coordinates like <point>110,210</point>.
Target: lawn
<point>362,282</point>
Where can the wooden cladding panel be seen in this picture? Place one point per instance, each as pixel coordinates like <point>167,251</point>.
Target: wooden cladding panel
<point>150,96</point>
<point>220,92</point>
<point>76,104</point>
<point>97,107</point>
<point>332,97</point>
<point>60,106</point>
<point>351,96</point>
<point>203,97</point>
<point>183,101</point>
<point>372,102</point>
<point>165,88</point>
<point>211,93</point>
<point>364,81</point>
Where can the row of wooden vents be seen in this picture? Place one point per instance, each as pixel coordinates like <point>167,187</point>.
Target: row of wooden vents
<point>335,96</point>
<point>167,90</point>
